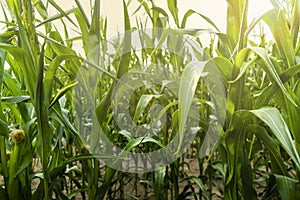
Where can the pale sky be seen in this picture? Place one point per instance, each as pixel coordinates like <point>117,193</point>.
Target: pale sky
<point>214,9</point>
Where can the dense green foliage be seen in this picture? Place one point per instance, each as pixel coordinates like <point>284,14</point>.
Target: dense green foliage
<point>42,150</point>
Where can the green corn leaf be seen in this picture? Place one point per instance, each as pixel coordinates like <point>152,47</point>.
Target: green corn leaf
<point>239,166</point>
<point>187,87</point>
<point>41,107</point>
<point>58,8</point>
<point>272,117</point>
<point>158,183</point>
<point>26,45</point>
<point>81,10</point>
<point>62,92</point>
<point>84,28</point>
<point>140,140</point>
<point>144,4</point>
<point>16,52</point>
<point>225,45</point>
<point>191,12</point>
<point>279,26</point>
<point>288,188</point>
<point>172,5</point>
<point>11,85</point>
<point>225,67</point>
<point>3,11</point>
<point>126,134</point>
<point>202,187</point>
<point>244,66</point>
<point>41,8</point>
<point>269,67</point>
<point>15,99</point>
<point>142,104</point>
<point>102,109</point>
<point>55,41</point>
<point>125,57</point>
<point>55,17</point>
<point>50,73</point>
<point>160,10</point>
<point>23,59</point>
<point>123,67</point>
<point>268,92</point>
<point>62,118</point>
<point>3,124</point>
<point>94,36</point>
<point>237,20</point>
<point>277,163</point>
<point>295,22</point>
<point>188,83</point>
<point>15,90</point>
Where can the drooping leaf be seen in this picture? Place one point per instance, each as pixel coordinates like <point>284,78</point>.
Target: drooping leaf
<point>277,162</point>
<point>191,12</point>
<point>55,17</point>
<point>288,188</point>
<point>272,117</point>
<point>62,92</point>
<point>268,92</point>
<point>269,67</point>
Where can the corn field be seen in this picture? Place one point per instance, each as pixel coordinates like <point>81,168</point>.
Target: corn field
<point>156,112</point>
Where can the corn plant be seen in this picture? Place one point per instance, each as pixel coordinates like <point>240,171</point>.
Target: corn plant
<point>57,104</point>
